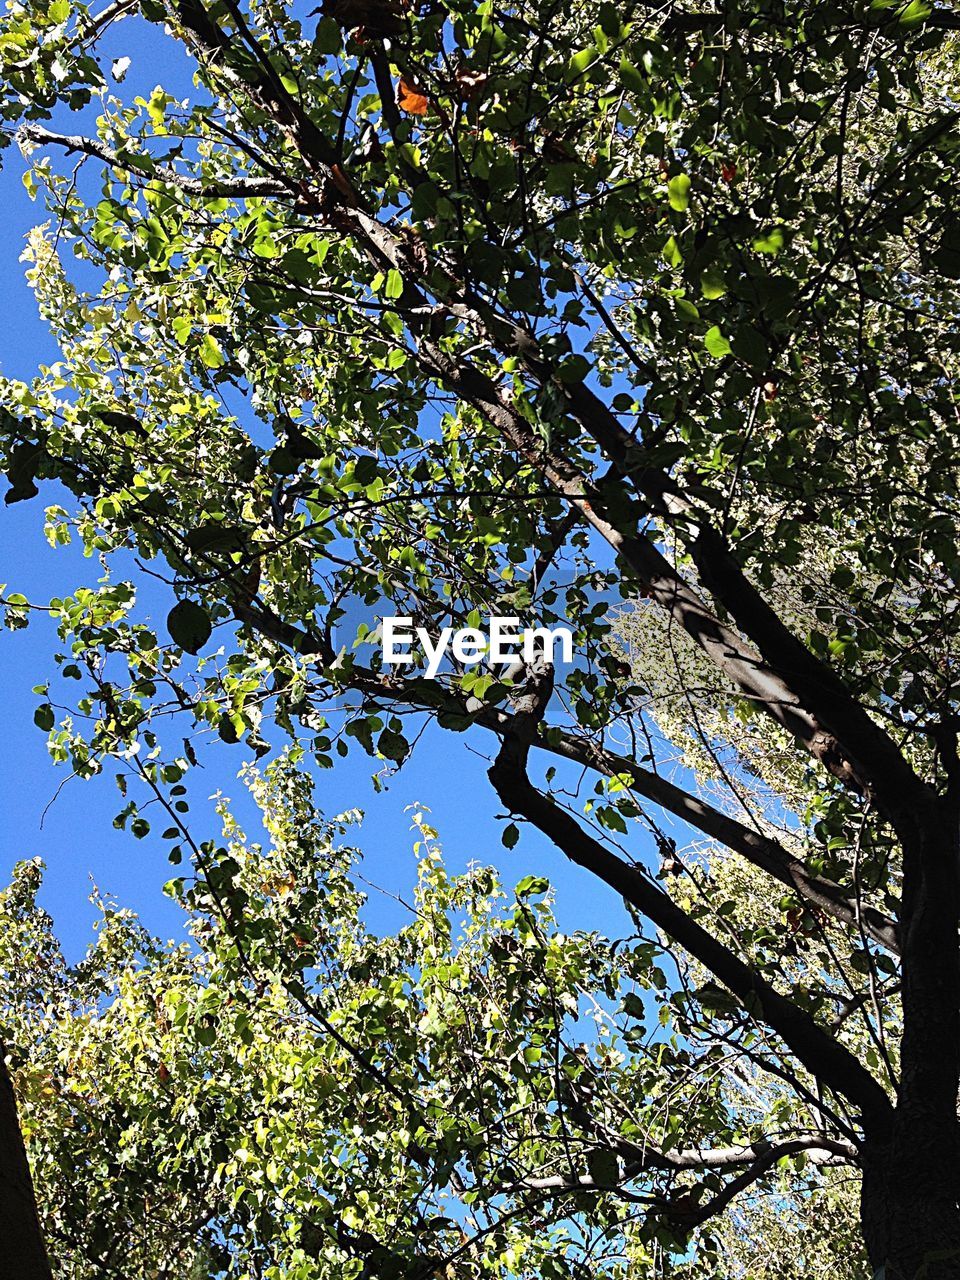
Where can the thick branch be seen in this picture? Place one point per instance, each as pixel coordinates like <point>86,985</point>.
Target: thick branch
<point>762,851</point>
<point>832,722</point>
<point>696,1214</point>
<point>758,1156</point>
<point>822,1055</point>
<point>97,23</point>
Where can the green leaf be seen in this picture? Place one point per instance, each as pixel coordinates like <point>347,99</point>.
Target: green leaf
<point>510,835</point>
<point>424,200</point>
<point>580,62</point>
<point>210,352</point>
<point>216,537</point>
<point>393,746</point>
<point>21,472</point>
<point>914,13</point>
<point>686,310</point>
<point>633,1005</point>
<point>678,192</point>
<point>716,343</point>
<point>283,462</point>
<point>266,247</point>
<point>604,1167</point>
<point>394,286</point>
<point>712,283</point>
<point>631,77</point>
<point>365,470</point>
<point>671,253</point>
<point>750,345</point>
<point>573,369</point>
<point>610,818</point>
<point>716,999</point>
<point>189,625</point>
<point>771,241</point>
<point>327,38</point>
<point>531,885</point>
<point>362,730</point>
<point>227,729</point>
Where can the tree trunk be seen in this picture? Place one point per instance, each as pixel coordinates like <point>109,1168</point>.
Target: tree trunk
<point>909,1234</point>
<point>23,1255</point>
<point>910,1206</point>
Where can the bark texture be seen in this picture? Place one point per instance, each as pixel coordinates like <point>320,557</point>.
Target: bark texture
<point>909,1234</point>
<point>910,1201</point>
<point>23,1254</point>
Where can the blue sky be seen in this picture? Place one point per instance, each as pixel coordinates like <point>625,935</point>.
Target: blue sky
<point>69,823</point>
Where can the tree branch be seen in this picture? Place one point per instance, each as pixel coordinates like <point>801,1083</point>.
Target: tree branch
<point>37,135</point>
<point>831,721</point>
<point>760,850</point>
<point>811,1044</point>
<point>820,1149</point>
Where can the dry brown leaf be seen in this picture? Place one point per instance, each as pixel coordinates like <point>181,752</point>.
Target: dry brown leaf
<point>410,99</point>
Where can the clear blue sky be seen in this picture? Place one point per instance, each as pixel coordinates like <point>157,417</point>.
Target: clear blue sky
<point>71,828</point>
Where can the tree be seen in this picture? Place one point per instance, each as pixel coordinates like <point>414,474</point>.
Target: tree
<point>523,310</point>
<point>358,1105</point>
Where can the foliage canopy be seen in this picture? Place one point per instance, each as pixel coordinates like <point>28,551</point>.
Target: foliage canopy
<point>323,1102</point>
<point>530,309</point>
